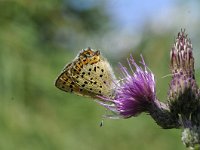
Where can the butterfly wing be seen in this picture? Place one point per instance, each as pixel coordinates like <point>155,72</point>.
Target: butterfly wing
<point>66,83</point>
<point>88,75</point>
<point>96,77</point>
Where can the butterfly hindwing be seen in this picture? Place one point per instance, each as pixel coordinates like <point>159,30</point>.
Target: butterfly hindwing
<point>97,78</point>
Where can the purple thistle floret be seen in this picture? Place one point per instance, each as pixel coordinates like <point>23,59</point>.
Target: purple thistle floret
<point>134,93</point>
<point>137,90</point>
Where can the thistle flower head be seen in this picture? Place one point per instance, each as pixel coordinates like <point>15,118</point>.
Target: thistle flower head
<point>135,92</point>
<point>181,57</point>
<point>183,88</point>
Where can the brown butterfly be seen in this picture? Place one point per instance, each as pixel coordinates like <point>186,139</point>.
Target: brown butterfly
<point>89,74</point>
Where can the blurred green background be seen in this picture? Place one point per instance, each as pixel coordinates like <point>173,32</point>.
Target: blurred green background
<point>37,39</point>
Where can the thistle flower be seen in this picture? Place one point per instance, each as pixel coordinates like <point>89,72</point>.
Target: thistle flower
<point>134,93</point>
<point>183,92</point>
<point>181,57</point>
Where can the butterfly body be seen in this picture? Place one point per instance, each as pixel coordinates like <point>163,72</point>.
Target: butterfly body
<point>89,74</point>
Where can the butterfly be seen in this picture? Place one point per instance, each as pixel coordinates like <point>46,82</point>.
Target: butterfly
<point>89,74</point>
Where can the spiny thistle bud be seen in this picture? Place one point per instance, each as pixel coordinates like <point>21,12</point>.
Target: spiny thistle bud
<point>181,56</point>
<point>183,97</point>
<point>184,93</point>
